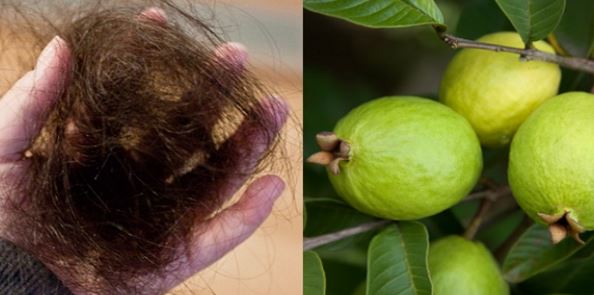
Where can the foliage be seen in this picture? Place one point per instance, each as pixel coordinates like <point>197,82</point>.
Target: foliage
<point>347,63</point>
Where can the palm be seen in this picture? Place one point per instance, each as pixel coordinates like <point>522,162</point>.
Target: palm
<point>22,112</point>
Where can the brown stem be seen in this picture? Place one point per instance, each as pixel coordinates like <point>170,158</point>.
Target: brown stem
<point>491,193</point>
<point>504,209</point>
<point>311,243</point>
<point>502,250</point>
<point>574,63</point>
<point>476,221</point>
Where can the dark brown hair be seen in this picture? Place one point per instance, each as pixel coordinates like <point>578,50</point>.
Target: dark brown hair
<point>134,154</point>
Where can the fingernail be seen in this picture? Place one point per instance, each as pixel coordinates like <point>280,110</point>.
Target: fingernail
<point>155,14</point>
<point>49,52</point>
<point>278,101</point>
<point>277,190</point>
<point>271,186</point>
<point>233,53</point>
<point>278,108</point>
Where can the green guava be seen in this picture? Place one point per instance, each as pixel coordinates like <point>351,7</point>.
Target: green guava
<point>460,266</point>
<point>497,91</point>
<point>401,158</point>
<point>551,166</point>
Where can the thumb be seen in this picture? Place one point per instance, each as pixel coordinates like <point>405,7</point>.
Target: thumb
<point>228,229</point>
<point>23,109</point>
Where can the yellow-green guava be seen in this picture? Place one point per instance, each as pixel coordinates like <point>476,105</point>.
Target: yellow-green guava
<point>496,91</point>
<point>460,266</point>
<point>551,166</point>
<point>404,158</point>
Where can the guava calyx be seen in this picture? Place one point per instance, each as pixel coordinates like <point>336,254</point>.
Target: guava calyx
<point>561,225</point>
<point>334,150</point>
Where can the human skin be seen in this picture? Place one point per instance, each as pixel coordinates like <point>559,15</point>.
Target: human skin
<point>22,114</point>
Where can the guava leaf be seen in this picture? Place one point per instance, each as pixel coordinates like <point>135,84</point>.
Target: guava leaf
<point>534,253</point>
<point>326,215</point>
<point>314,279</point>
<point>575,32</point>
<point>533,19</point>
<point>380,13</point>
<point>573,276</point>
<point>479,18</point>
<point>397,261</point>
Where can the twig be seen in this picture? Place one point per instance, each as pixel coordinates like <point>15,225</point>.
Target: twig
<point>502,250</point>
<point>475,223</point>
<point>504,210</point>
<point>311,243</point>
<point>487,199</point>
<point>575,63</point>
<point>488,196</point>
<point>476,196</point>
<point>493,194</point>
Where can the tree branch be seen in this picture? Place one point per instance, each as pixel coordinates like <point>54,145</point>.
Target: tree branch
<point>488,196</point>
<point>476,221</point>
<point>575,63</point>
<point>487,200</point>
<point>311,243</point>
<point>492,194</point>
<point>502,250</point>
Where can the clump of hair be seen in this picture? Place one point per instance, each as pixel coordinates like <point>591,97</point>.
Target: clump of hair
<point>133,155</point>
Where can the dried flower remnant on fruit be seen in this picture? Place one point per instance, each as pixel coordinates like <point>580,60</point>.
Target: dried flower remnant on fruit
<point>334,150</point>
<point>562,225</point>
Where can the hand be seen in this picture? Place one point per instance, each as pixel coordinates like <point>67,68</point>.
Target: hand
<point>23,111</point>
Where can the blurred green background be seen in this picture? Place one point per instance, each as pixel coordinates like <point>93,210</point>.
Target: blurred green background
<point>346,65</point>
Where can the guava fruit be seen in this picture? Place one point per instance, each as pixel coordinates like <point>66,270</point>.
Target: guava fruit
<point>401,157</point>
<point>496,91</point>
<point>551,165</point>
<point>460,266</point>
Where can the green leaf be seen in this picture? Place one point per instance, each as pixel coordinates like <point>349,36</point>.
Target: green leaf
<point>397,261</point>
<point>314,279</point>
<point>329,215</point>
<point>533,19</point>
<point>573,276</point>
<point>480,17</point>
<point>326,215</point>
<point>575,32</point>
<point>534,253</point>
<point>578,278</point>
<point>380,13</point>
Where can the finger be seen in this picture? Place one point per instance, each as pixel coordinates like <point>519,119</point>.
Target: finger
<point>252,141</point>
<point>228,229</point>
<point>233,54</point>
<point>236,159</point>
<point>236,223</point>
<point>229,65</point>
<point>155,14</point>
<point>24,108</point>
